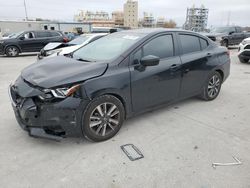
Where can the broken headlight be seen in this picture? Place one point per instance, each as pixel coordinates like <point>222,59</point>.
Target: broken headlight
<point>59,93</point>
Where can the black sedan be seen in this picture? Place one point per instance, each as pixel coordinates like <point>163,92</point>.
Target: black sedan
<point>92,92</point>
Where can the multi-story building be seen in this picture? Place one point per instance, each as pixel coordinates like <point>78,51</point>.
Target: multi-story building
<point>131,14</point>
<point>97,19</point>
<point>118,18</point>
<point>148,20</point>
<point>196,19</point>
<point>160,22</point>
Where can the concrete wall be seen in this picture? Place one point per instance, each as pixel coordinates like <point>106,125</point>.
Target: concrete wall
<point>17,26</point>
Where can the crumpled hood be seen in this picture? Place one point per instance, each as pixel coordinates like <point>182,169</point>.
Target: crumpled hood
<point>60,70</point>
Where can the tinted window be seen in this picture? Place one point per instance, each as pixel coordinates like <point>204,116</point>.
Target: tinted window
<point>42,34</point>
<point>161,47</point>
<point>204,43</point>
<point>190,44</point>
<point>54,34</point>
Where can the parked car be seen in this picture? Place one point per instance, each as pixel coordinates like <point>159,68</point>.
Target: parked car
<point>244,51</point>
<point>29,41</point>
<point>59,48</point>
<point>226,36</point>
<point>114,78</point>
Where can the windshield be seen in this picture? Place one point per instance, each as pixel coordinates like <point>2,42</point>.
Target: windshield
<point>108,47</point>
<point>15,35</point>
<point>222,30</point>
<point>79,40</point>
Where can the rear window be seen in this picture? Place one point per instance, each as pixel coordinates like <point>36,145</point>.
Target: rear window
<point>189,43</point>
<point>55,34</point>
<point>41,34</point>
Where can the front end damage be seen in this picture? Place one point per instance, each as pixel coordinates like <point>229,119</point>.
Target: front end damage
<point>53,118</point>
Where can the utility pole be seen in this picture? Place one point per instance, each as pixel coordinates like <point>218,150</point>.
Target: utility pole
<point>25,8</point>
<point>228,18</point>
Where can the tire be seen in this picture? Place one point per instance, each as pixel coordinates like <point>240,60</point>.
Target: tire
<point>212,87</point>
<point>244,60</point>
<point>99,124</point>
<point>12,51</point>
<point>224,43</point>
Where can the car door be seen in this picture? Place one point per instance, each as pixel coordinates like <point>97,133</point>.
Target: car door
<point>154,85</point>
<point>194,60</point>
<point>27,41</point>
<point>42,39</point>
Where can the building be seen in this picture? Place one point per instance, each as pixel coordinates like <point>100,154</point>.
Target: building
<point>148,20</point>
<point>160,22</point>
<point>97,19</point>
<point>196,19</point>
<point>17,26</point>
<point>130,10</point>
<point>118,18</point>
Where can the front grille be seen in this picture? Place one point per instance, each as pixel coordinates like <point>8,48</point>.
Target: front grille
<point>247,47</point>
<point>212,38</point>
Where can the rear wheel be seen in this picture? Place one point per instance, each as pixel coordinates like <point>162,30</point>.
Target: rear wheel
<point>12,51</point>
<point>212,87</point>
<point>103,118</point>
<point>243,60</point>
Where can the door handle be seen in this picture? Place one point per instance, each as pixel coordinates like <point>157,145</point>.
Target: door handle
<point>209,54</point>
<point>174,67</point>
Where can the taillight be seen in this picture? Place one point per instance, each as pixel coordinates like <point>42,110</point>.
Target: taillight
<point>65,39</point>
<point>228,52</point>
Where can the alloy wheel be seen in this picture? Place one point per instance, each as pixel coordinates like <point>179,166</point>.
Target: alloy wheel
<point>104,119</point>
<point>12,51</point>
<point>213,86</point>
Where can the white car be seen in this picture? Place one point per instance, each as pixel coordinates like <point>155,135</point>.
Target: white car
<point>56,48</point>
<point>244,51</point>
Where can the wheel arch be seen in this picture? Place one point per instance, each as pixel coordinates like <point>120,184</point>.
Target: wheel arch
<point>114,93</point>
<point>17,46</point>
<point>221,73</point>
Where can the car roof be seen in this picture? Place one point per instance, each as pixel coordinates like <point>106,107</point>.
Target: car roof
<point>154,30</point>
<point>94,34</point>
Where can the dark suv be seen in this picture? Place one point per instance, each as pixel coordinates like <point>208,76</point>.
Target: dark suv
<point>29,41</point>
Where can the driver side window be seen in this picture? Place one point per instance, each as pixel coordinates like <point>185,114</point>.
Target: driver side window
<point>161,47</point>
<point>29,35</point>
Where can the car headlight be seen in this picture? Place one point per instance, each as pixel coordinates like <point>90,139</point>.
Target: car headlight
<point>244,42</point>
<point>59,93</point>
<point>48,53</point>
<point>218,39</point>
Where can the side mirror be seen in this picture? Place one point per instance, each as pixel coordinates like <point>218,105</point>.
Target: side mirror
<point>22,38</point>
<point>231,32</point>
<point>150,60</point>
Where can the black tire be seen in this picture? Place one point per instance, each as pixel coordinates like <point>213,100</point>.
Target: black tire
<point>224,43</point>
<point>12,51</point>
<point>212,89</point>
<point>244,60</point>
<point>93,123</point>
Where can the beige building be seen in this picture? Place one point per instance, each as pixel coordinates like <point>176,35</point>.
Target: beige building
<point>97,19</point>
<point>118,18</point>
<point>131,14</point>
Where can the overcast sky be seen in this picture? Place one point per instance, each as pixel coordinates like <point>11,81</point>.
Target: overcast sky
<point>219,10</point>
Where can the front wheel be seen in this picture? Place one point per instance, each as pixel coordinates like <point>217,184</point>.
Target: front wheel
<point>103,118</point>
<point>212,87</point>
<point>12,51</point>
<point>243,60</point>
<point>224,43</point>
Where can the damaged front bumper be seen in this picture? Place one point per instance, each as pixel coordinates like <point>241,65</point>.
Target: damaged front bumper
<point>48,120</point>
